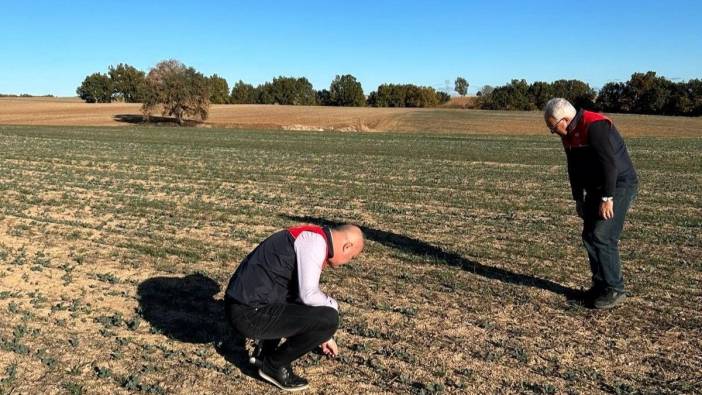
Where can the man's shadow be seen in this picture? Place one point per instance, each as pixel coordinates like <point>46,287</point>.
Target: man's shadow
<point>422,248</point>
<point>184,309</point>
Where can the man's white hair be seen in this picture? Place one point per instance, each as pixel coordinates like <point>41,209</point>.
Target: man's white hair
<point>559,108</point>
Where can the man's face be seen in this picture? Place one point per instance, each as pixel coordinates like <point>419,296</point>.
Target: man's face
<point>347,253</point>
<point>557,126</point>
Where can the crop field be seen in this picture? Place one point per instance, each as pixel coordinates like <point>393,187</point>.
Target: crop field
<point>116,244</point>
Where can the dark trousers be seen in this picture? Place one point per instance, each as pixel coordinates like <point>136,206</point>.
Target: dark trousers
<point>303,327</point>
<point>601,238</point>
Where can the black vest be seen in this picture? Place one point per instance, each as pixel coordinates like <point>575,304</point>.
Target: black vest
<point>269,273</point>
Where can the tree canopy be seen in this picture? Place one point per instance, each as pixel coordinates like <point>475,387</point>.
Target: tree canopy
<point>461,86</point>
<point>127,83</point>
<point>96,88</point>
<point>346,91</point>
<point>179,91</point>
<point>219,89</point>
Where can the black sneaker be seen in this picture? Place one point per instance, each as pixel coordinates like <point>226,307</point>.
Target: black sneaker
<point>256,358</point>
<point>282,377</point>
<point>609,299</point>
<point>584,296</point>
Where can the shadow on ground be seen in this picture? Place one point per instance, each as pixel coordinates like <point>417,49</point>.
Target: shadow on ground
<point>184,309</point>
<point>422,248</point>
<point>152,120</point>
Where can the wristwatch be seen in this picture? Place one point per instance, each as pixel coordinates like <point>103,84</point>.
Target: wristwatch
<point>607,199</point>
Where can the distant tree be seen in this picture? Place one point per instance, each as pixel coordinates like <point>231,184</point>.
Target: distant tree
<point>243,93</point>
<point>580,94</point>
<point>694,93</point>
<point>443,97</point>
<point>372,100</point>
<point>539,93</point>
<point>420,96</point>
<point>486,90</point>
<point>292,91</point>
<point>390,95</point>
<point>414,96</point>
<point>610,97</point>
<point>324,98</point>
<point>681,102</point>
<point>346,91</point>
<point>219,89</point>
<point>461,86</point>
<point>264,94</point>
<point>96,88</point>
<point>514,96</point>
<point>403,95</point>
<point>180,91</point>
<point>648,92</point>
<point>127,83</point>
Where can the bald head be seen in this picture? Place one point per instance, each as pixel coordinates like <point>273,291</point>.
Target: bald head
<point>348,242</point>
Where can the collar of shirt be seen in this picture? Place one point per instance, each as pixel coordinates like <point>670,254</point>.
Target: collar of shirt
<point>330,244</point>
<point>574,122</point>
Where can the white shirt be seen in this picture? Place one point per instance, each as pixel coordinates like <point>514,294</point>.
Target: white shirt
<point>311,251</point>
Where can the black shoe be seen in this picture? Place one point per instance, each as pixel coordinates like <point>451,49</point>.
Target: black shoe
<point>609,299</point>
<point>592,294</point>
<point>282,377</point>
<point>584,296</point>
<point>256,357</point>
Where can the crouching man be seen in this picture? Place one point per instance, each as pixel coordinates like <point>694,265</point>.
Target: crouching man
<point>274,294</point>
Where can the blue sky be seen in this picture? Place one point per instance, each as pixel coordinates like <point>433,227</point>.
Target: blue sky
<point>50,46</point>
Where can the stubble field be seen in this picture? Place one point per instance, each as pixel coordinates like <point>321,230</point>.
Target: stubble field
<point>39,111</point>
<point>116,244</point>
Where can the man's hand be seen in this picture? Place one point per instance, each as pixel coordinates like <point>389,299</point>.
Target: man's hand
<point>579,208</point>
<point>607,210</point>
<point>330,348</point>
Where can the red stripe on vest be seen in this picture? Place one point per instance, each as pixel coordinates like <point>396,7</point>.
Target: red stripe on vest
<point>578,137</point>
<point>296,230</point>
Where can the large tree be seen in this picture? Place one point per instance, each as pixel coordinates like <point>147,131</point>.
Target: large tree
<point>461,86</point>
<point>127,83</point>
<point>346,91</point>
<point>96,88</point>
<point>180,91</point>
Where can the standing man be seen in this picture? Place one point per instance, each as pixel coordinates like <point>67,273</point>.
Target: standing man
<point>604,184</point>
<point>275,294</point>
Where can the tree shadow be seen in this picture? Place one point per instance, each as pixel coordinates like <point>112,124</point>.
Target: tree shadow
<point>154,120</point>
<point>184,309</point>
<point>422,248</point>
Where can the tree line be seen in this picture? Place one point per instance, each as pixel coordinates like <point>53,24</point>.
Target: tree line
<point>23,95</point>
<point>644,93</point>
<point>128,84</point>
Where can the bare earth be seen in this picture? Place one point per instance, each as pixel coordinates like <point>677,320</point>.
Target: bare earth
<point>74,112</point>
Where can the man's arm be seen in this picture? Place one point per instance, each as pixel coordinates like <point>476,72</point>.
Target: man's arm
<point>311,250</point>
<point>576,187</point>
<point>600,143</point>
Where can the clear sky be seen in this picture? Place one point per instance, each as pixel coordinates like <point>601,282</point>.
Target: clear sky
<point>48,47</point>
